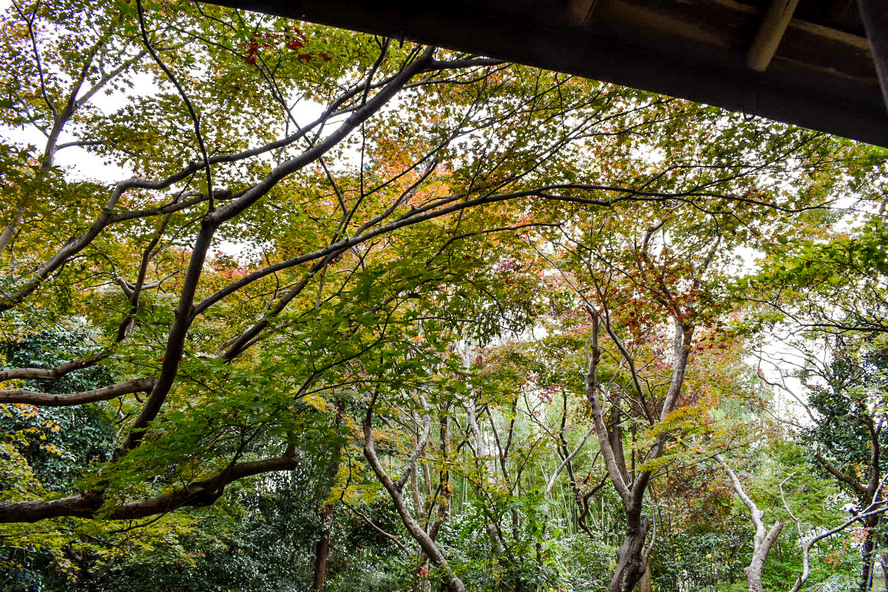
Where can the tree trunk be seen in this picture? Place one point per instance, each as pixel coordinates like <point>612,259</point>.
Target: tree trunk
<point>762,546</point>
<point>428,546</point>
<point>322,549</point>
<point>325,514</point>
<point>866,571</point>
<point>646,585</point>
<point>884,572</point>
<point>632,555</point>
<point>496,541</point>
<point>632,563</point>
<point>615,436</point>
<point>754,574</point>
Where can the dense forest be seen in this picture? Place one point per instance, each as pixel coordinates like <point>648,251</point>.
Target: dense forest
<point>291,308</point>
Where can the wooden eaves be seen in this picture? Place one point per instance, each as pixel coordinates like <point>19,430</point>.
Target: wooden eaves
<point>806,62</point>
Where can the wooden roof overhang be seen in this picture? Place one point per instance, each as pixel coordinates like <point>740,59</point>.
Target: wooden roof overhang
<point>806,62</point>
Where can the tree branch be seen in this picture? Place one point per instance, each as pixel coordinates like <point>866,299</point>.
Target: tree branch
<point>200,493</point>
<point>51,373</point>
<point>567,460</point>
<point>372,525</point>
<point>848,480</point>
<point>610,461</point>
<point>140,385</point>
<point>454,584</point>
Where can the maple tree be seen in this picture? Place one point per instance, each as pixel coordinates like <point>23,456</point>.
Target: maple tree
<point>332,246</point>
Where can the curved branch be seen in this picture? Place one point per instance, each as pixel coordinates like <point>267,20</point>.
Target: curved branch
<point>372,525</point>
<point>764,539</point>
<point>741,493</point>
<point>195,118</point>
<point>32,36</point>
<point>872,510</point>
<point>456,203</point>
<point>292,165</point>
<point>848,480</point>
<point>454,584</point>
<point>567,460</point>
<point>633,372</point>
<point>140,385</point>
<point>200,493</point>
<point>419,449</point>
<point>108,215</point>
<point>682,352</point>
<point>212,221</point>
<point>51,373</point>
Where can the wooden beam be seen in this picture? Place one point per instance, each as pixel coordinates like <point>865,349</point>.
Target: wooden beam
<point>821,78</point>
<point>769,34</point>
<point>874,14</point>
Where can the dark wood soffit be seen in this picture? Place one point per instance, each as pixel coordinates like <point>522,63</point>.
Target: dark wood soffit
<point>821,77</point>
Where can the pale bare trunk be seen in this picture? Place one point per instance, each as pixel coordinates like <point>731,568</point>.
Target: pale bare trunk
<point>763,539</point>
<point>490,466</point>
<point>426,543</point>
<point>646,585</point>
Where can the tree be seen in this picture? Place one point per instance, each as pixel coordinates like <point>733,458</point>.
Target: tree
<point>830,290</point>
<point>371,238</point>
<point>645,381</point>
<point>157,250</point>
<point>846,438</point>
<point>764,537</point>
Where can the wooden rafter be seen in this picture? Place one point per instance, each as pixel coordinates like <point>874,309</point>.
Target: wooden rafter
<point>770,32</point>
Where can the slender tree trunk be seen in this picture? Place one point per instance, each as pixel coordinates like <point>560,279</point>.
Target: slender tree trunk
<point>884,572</point>
<point>481,452</point>
<point>322,549</point>
<point>321,552</point>
<point>868,554</point>
<point>762,541</point>
<point>615,436</point>
<point>428,546</point>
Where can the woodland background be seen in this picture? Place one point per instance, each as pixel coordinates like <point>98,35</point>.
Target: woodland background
<point>285,307</point>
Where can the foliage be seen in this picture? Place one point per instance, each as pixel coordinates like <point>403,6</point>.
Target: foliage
<point>57,442</point>
<point>402,301</point>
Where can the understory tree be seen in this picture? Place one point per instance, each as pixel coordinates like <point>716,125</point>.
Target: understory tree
<point>830,289</point>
